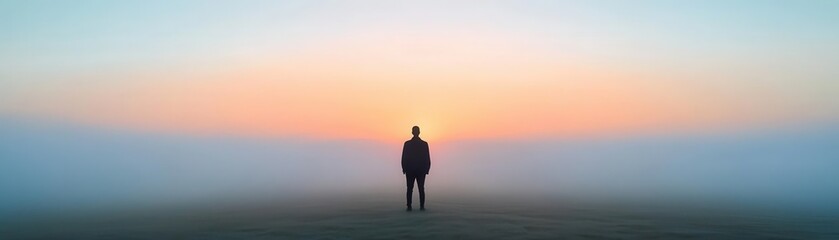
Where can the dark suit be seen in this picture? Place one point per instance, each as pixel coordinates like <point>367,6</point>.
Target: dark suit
<point>416,161</point>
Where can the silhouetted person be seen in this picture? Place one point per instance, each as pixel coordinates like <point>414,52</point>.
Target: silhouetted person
<point>416,162</point>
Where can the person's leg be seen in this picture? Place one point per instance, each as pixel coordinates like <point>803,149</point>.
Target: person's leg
<point>409,178</point>
<point>421,186</point>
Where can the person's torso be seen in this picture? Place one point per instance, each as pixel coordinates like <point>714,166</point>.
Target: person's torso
<point>416,154</point>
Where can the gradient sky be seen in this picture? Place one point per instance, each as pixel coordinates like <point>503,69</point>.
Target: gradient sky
<point>372,69</point>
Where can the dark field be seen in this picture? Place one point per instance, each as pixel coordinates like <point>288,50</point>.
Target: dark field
<point>382,217</point>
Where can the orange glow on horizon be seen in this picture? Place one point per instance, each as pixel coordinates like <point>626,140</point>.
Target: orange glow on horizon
<point>478,85</point>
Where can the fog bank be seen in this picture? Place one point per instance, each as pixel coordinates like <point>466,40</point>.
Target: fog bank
<point>49,166</point>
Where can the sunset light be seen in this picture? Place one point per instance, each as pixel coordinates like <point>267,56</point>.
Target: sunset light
<point>323,119</point>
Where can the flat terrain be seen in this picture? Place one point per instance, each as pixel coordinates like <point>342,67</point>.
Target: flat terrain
<point>377,217</point>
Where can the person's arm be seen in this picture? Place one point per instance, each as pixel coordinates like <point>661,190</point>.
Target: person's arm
<point>404,157</point>
<point>427,159</point>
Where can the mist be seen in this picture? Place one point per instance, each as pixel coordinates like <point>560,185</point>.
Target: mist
<point>49,166</point>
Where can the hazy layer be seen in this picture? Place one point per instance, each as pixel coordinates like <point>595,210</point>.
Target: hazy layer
<point>59,167</point>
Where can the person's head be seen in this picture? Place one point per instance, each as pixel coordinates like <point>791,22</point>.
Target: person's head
<point>415,131</point>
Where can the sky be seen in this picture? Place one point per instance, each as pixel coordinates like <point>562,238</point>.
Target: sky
<point>129,102</point>
<point>464,70</point>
